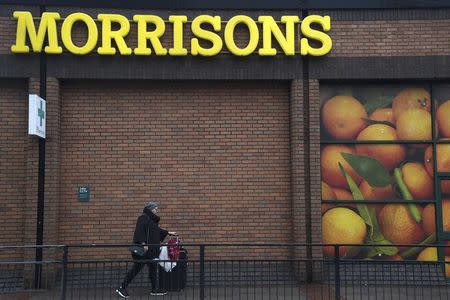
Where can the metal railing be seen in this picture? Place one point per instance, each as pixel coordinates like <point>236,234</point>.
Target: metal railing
<point>221,271</point>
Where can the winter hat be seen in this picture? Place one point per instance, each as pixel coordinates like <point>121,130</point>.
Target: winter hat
<point>151,205</point>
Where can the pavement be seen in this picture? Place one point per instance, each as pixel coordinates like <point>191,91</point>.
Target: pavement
<point>309,291</point>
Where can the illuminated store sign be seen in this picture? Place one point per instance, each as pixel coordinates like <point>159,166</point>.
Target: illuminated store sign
<point>312,37</point>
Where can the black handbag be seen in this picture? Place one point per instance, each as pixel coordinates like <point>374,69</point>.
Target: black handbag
<point>138,249</point>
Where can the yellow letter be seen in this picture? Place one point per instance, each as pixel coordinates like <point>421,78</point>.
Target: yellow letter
<point>118,35</point>
<point>307,31</point>
<point>214,38</point>
<point>178,49</point>
<point>253,35</point>
<point>66,33</point>
<point>143,35</point>
<point>271,27</point>
<point>25,25</point>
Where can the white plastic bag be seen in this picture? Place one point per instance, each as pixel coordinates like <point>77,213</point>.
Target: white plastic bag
<point>164,255</point>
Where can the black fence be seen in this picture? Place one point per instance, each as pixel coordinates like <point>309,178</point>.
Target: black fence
<point>216,271</point>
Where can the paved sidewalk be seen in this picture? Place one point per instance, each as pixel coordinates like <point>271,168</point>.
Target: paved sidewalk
<point>307,292</point>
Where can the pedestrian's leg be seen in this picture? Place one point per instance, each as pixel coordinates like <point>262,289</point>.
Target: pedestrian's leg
<point>122,289</point>
<point>152,269</point>
<point>135,269</point>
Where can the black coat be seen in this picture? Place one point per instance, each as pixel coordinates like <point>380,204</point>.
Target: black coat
<point>148,231</point>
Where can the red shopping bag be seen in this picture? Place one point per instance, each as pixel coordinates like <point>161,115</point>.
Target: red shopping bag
<point>174,248</point>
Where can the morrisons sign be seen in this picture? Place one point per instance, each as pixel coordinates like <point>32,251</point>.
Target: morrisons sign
<point>312,37</point>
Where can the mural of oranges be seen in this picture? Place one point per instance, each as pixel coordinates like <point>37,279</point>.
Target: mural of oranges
<point>375,126</point>
<point>383,114</point>
<point>329,162</point>
<point>411,98</point>
<point>341,225</point>
<point>429,217</point>
<point>343,117</point>
<point>414,124</point>
<point>398,226</point>
<point>389,155</point>
<point>443,119</point>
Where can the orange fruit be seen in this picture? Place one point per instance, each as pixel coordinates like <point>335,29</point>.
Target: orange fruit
<point>329,159</point>
<point>389,155</point>
<point>445,187</point>
<point>431,254</point>
<point>327,192</point>
<point>428,160</point>
<point>429,217</point>
<point>443,158</point>
<point>383,114</point>
<point>342,117</point>
<point>342,194</point>
<point>414,124</point>
<point>442,162</point>
<point>443,119</point>
<point>418,181</point>
<point>398,226</point>
<point>326,206</point>
<point>376,193</point>
<point>411,98</point>
<point>341,225</point>
<point>428,254</point>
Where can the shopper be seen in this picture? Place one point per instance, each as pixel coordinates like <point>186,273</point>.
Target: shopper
<point>147,232</point>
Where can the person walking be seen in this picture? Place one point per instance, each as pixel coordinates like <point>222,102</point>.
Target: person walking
<point>147,231</point>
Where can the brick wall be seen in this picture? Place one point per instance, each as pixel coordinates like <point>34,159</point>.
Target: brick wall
<point>390,38</point>
<point>314,156</point>
<point>13,149</point>
<point>297,170</point>
<point>215,155</point>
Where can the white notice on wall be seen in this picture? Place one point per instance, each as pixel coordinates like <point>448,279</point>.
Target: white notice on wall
<point>36,115</point>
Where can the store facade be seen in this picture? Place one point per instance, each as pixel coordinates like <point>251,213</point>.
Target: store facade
<point>234,123</point>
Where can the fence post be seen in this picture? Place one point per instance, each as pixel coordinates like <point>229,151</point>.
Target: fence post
<point>64,272</point>
<point>202,272</point>
<point>337,278</point>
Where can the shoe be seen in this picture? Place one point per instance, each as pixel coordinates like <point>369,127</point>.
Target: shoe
<point>158,293</point>
<point>122,292</point>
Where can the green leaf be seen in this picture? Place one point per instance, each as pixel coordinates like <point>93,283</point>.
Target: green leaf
<point>368,168</point>
<point>363,210</point>
<point>364,213</point>
<point>374,122</point>
<point>375,235</point>
<point>413,210</point>
<point>373,252</point>
<point>380,102</point>
<point>386,250</point>
<point>382,250</point>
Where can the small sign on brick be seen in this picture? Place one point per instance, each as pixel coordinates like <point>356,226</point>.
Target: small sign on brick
<point>37,115</point>
<point>84,193</point>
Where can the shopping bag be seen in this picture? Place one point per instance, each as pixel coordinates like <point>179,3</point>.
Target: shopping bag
<point>163,257</point>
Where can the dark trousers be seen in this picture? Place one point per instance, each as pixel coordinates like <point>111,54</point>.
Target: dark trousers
<point>137,267</point>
